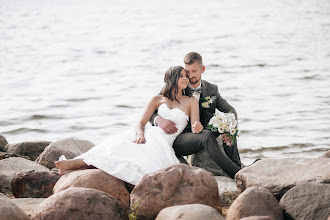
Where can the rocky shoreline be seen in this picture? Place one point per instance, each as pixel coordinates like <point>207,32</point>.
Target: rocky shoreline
<point>31,188</point>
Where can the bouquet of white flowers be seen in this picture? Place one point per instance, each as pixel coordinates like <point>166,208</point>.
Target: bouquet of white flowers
<point>224,123</point>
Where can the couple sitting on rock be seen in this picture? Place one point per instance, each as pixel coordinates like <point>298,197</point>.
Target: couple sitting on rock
<point>134,153</point>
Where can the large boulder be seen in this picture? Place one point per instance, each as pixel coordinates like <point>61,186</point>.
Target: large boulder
<point>255,201</point>
<point>30,149</point>
<point>28,205</point>
<point>80,203</point>
<point>176,185</point>
<point>3,143</point>
<point>4,155</point>
<point>69,147</point>
<point>307,201</point>
<point>203,160</point>
<point>280,175</point>
<point>34,183</point>
<point>228,190</point>
<point>9,210</point>
<point>8,168</point>
<point>189,212</point>
<point>95,179</point>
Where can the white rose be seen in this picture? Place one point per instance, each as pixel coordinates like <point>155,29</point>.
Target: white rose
<point>220,130</point>
<point>224,120</point>
<point>232,131</point>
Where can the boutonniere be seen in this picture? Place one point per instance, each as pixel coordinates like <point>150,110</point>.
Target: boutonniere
<point>207,102</point>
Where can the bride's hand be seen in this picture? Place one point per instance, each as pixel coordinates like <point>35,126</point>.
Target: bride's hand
<point>140,140</point>
<point>197,127</point>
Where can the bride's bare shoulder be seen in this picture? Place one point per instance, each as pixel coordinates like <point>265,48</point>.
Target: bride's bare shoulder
<point>159,99</point>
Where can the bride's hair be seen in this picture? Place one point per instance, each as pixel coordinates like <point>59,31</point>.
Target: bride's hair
<point>171,81</point>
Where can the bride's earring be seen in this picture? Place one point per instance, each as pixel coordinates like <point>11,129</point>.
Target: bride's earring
<point>184,92</point>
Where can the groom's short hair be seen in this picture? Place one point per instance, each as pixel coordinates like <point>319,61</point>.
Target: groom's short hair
<point>193,57</point>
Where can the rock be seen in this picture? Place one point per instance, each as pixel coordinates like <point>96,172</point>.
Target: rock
<point>95,179</point>
<point>3,143</point>
<point>326,155</point>
<point>203,160</point>
<point>255,201</point>
<point>8,168</point>
<point>4,155</point>
<point>257,218</point>
<point>80,203</point>
<point>307,201</point>
<point>9,210</point>
<point>34,183</point>
<point>175,185</point>
<point>189,212</point>
<point>69,147</point>
<point>228,190</point>
<point>30,149</point>
<point>280,175</point>
<point>28,204</point>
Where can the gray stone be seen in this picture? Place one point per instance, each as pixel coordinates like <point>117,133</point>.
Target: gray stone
<point>189,212</point>
<point>3,143</point>
<point>8,168</point>
<point>307,201</point>
<point>28,205</point>
<point>69,147</point>
<point>9,210</point>
<point>30,149</point>
<point>255,201</point>
<point>80,203</point>
<point>280,175</point>
<point>203,160</point>
<point>4,155</point>
<point>228,190</point>
<point>326,155</point>
<point>34,183</point>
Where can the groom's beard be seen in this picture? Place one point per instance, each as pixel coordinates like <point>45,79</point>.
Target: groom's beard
<point>194,80</point>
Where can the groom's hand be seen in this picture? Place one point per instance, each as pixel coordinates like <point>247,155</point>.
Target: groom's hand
<point>168,126</point>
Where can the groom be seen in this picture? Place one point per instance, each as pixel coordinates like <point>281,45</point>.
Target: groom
<point>188,143</point>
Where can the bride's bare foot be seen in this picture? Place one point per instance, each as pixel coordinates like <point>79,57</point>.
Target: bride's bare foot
<point>66,165</point>
<point>63,172</point>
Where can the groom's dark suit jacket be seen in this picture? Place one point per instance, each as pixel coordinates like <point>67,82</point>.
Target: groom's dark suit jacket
<point>211,90</point>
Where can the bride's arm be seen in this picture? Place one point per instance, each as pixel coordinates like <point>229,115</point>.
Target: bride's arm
<point>196,126</point>
<point>152,106</point>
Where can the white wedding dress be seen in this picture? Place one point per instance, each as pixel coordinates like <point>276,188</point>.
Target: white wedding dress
<point>120,157</point>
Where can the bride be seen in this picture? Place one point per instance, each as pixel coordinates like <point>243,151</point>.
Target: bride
<point>132,154</point>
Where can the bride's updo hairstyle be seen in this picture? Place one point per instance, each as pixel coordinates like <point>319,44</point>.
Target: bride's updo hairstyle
<point>171,81</point>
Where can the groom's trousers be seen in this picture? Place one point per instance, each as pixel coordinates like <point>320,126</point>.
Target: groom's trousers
<point>233,154</point>
<point>189,143</point>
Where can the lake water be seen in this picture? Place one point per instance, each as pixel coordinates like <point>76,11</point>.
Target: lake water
<point>88,68</point>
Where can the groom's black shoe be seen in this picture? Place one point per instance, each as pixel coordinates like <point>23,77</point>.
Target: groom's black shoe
<point>182,160</point>
<point>256,160</point>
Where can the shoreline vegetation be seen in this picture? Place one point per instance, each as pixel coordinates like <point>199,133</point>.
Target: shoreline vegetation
<point>31,188</point>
